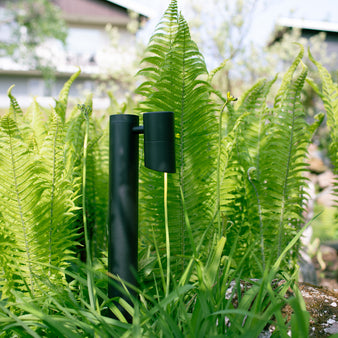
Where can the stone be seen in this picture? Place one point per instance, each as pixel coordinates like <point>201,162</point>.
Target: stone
<point>321,304</point>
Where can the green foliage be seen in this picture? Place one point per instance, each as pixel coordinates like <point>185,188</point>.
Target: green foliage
<point>41,166</point>
<point>326,226</point>
<point>266,202</point>
<point>241,175</point>
<point>173,70</point>
<point>329,94</point>
<point>232,211</point>
<point>38,19</point>
<point>29,25</point>
<point>209,300</point>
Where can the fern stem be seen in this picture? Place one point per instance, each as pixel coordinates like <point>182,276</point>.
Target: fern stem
<point>218,188</point>
<point>182,150</point>
<point>90,277</point>
<point>52,198</point>
<point>166,224</point>
<point>285,186</point>
<point>260,215</point>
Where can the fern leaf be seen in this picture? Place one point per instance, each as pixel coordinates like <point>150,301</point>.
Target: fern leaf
<point>329,95</point>
<point>37,197</point>
<point>283,164</point>
<point>61,103</point>
<point>58,207</point>
<point>288,76</point>
<point>19,193</point>
<point>173,84</point>
<point>14,106</point>
<point>160,44</point>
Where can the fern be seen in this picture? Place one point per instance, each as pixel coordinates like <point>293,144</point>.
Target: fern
<point>329,95</point>
<point>61,103</point>
<point>15,109</point>
<point>37,197</point>
<point>173,71</point>
<point>282,165</point>
<point>97,186</point>
<point>263,186</point>
<point>240,200</point>
<point>20,191</point>
<point>61,192</point>
<point>245,182</point>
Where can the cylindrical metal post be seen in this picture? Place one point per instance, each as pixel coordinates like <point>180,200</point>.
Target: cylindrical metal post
<point>123,199</point>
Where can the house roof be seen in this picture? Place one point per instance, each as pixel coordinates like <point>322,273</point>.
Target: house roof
<point>323,26</point>
<point>135,6</point>
<point>100,11</point>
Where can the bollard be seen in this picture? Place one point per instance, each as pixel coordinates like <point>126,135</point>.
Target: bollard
<point>159,153</point>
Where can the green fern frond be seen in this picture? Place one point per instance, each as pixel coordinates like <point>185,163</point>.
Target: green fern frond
<point>173,84</point>
<point>240,204</point>
<point>158,48</point>
<point>37,199</point>
<point>36,116</point>
<point>263,187</point>
<point>283,161</point>
<point>15,109</point>
<point>287,79</point>
<point>20,191</point>
<point>97,186</point>
<point>61,103</point>
<point>97,164</point>
<point>329,95</point>
<point>60,192</point>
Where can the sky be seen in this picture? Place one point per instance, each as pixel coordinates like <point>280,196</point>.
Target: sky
<point>265,15</point>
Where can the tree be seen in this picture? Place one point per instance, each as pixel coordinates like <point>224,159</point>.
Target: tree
<point>222,31</point>
<point>27,25</point>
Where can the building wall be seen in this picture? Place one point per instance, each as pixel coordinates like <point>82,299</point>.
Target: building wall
<point>88,47</point>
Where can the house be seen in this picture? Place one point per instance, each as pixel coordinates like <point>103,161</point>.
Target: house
<point>88,47</point>
<point>308,29</point>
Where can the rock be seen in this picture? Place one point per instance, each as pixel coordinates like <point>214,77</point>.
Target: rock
<point>321,303</point>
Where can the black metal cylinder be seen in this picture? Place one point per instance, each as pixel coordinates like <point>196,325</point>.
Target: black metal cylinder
<point>159,141</point>
<point>123,199</point>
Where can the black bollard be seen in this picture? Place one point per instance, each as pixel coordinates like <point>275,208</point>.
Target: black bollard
<point>159,148</point>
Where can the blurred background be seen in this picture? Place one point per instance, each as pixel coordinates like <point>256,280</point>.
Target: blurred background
<point>43,42</point>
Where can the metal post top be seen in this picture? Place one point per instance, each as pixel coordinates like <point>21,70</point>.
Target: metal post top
<point>159,113</point>
<point>123,118</point>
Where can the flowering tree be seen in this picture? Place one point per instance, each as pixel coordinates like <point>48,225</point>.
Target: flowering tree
<point>27,25</point>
